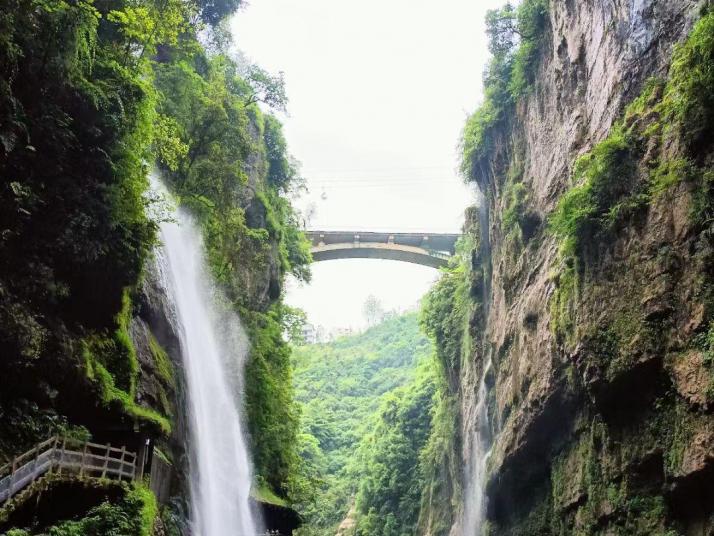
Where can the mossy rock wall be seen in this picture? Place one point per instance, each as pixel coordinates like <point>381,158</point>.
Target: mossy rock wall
<point>599,314</point>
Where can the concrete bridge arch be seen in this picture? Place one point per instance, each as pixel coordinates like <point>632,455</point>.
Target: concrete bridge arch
<point>426,249</point>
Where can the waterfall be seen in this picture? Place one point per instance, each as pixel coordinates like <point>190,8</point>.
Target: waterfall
<point>478,440</point>
<point>479,445</point>
<point>213,341</point>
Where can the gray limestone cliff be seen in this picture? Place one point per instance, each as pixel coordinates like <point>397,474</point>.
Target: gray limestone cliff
<point>598,319</point>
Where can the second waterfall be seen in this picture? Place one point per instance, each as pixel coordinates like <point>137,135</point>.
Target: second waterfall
<point>213,342</point>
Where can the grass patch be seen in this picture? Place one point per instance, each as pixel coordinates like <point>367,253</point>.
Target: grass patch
<point>262,493</point>
<point>602,177</point>
<point>689,96</point>
<point>110,363</point>
<point>163,365</point>
<point>111,395</point>
<point>142,498</point>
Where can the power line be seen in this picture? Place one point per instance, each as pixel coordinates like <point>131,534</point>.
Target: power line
<point>382,180</point>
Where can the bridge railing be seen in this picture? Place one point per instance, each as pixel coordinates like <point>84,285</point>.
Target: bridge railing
<point>66,455</point>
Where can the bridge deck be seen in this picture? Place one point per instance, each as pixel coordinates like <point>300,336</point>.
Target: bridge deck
<point>426,249</point>
<point>442,242</point>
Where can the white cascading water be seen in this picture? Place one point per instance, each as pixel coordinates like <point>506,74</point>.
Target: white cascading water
<point>478,440</point>
<point>220,469</point>
<point>479,447</point>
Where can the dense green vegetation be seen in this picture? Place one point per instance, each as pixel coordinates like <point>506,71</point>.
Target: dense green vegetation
<point>515,38</point>
<point>452,315</point>
<point>391,474</point>
<point>365,403</point>
<point>445,318</point>
<point>133,515</point>
<point>76,116</point>
<point>92,94</point>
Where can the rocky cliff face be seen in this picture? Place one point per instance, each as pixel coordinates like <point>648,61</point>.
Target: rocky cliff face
<point>600,393</point>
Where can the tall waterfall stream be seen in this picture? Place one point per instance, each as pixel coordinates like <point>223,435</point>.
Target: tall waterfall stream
<point>478,439</point>
<point>213,344</point>
<point>480,445</point>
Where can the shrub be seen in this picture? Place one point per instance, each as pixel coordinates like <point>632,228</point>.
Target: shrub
<point>602,177</point>
<point>133,516</point>
<point>689,96</point>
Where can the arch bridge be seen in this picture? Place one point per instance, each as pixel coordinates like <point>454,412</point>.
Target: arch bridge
<point>427,249</point>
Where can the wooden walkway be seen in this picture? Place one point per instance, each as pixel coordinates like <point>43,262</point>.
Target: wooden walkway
<point>60,455</point>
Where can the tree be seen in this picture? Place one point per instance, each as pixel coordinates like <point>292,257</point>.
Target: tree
<point>283,170</point>
<point>501,30</point>
<point>214,11</point>
<point>373,310</point>
<point>294,320</point>
<point>267,88</point>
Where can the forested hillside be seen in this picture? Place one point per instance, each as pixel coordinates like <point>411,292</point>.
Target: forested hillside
<point>366,405</point>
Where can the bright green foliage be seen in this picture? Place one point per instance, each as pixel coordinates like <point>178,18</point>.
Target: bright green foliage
<point>689,96</point>
<point>133,516</point>
<point>669,173</point>
<point>605,180</point>
<point>168,147</point>
<point>264,494</point>
<point>602,177</point>
<point>391,480</point>
<point>341,387</point>
<point>224,149</point>
<point>439,461</point>
<point>91,94</point>
<point>477,138</point>
<point>444,316</point>
<point>448,317</point>
<point>144,25</point>
<point>515,40</point>
<point>532,19</point>
<point>273,417</point>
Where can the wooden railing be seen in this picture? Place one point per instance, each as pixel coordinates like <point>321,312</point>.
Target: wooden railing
<point>62,455</point>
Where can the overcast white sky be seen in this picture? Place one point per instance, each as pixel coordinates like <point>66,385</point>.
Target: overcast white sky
<point>379,91</point>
